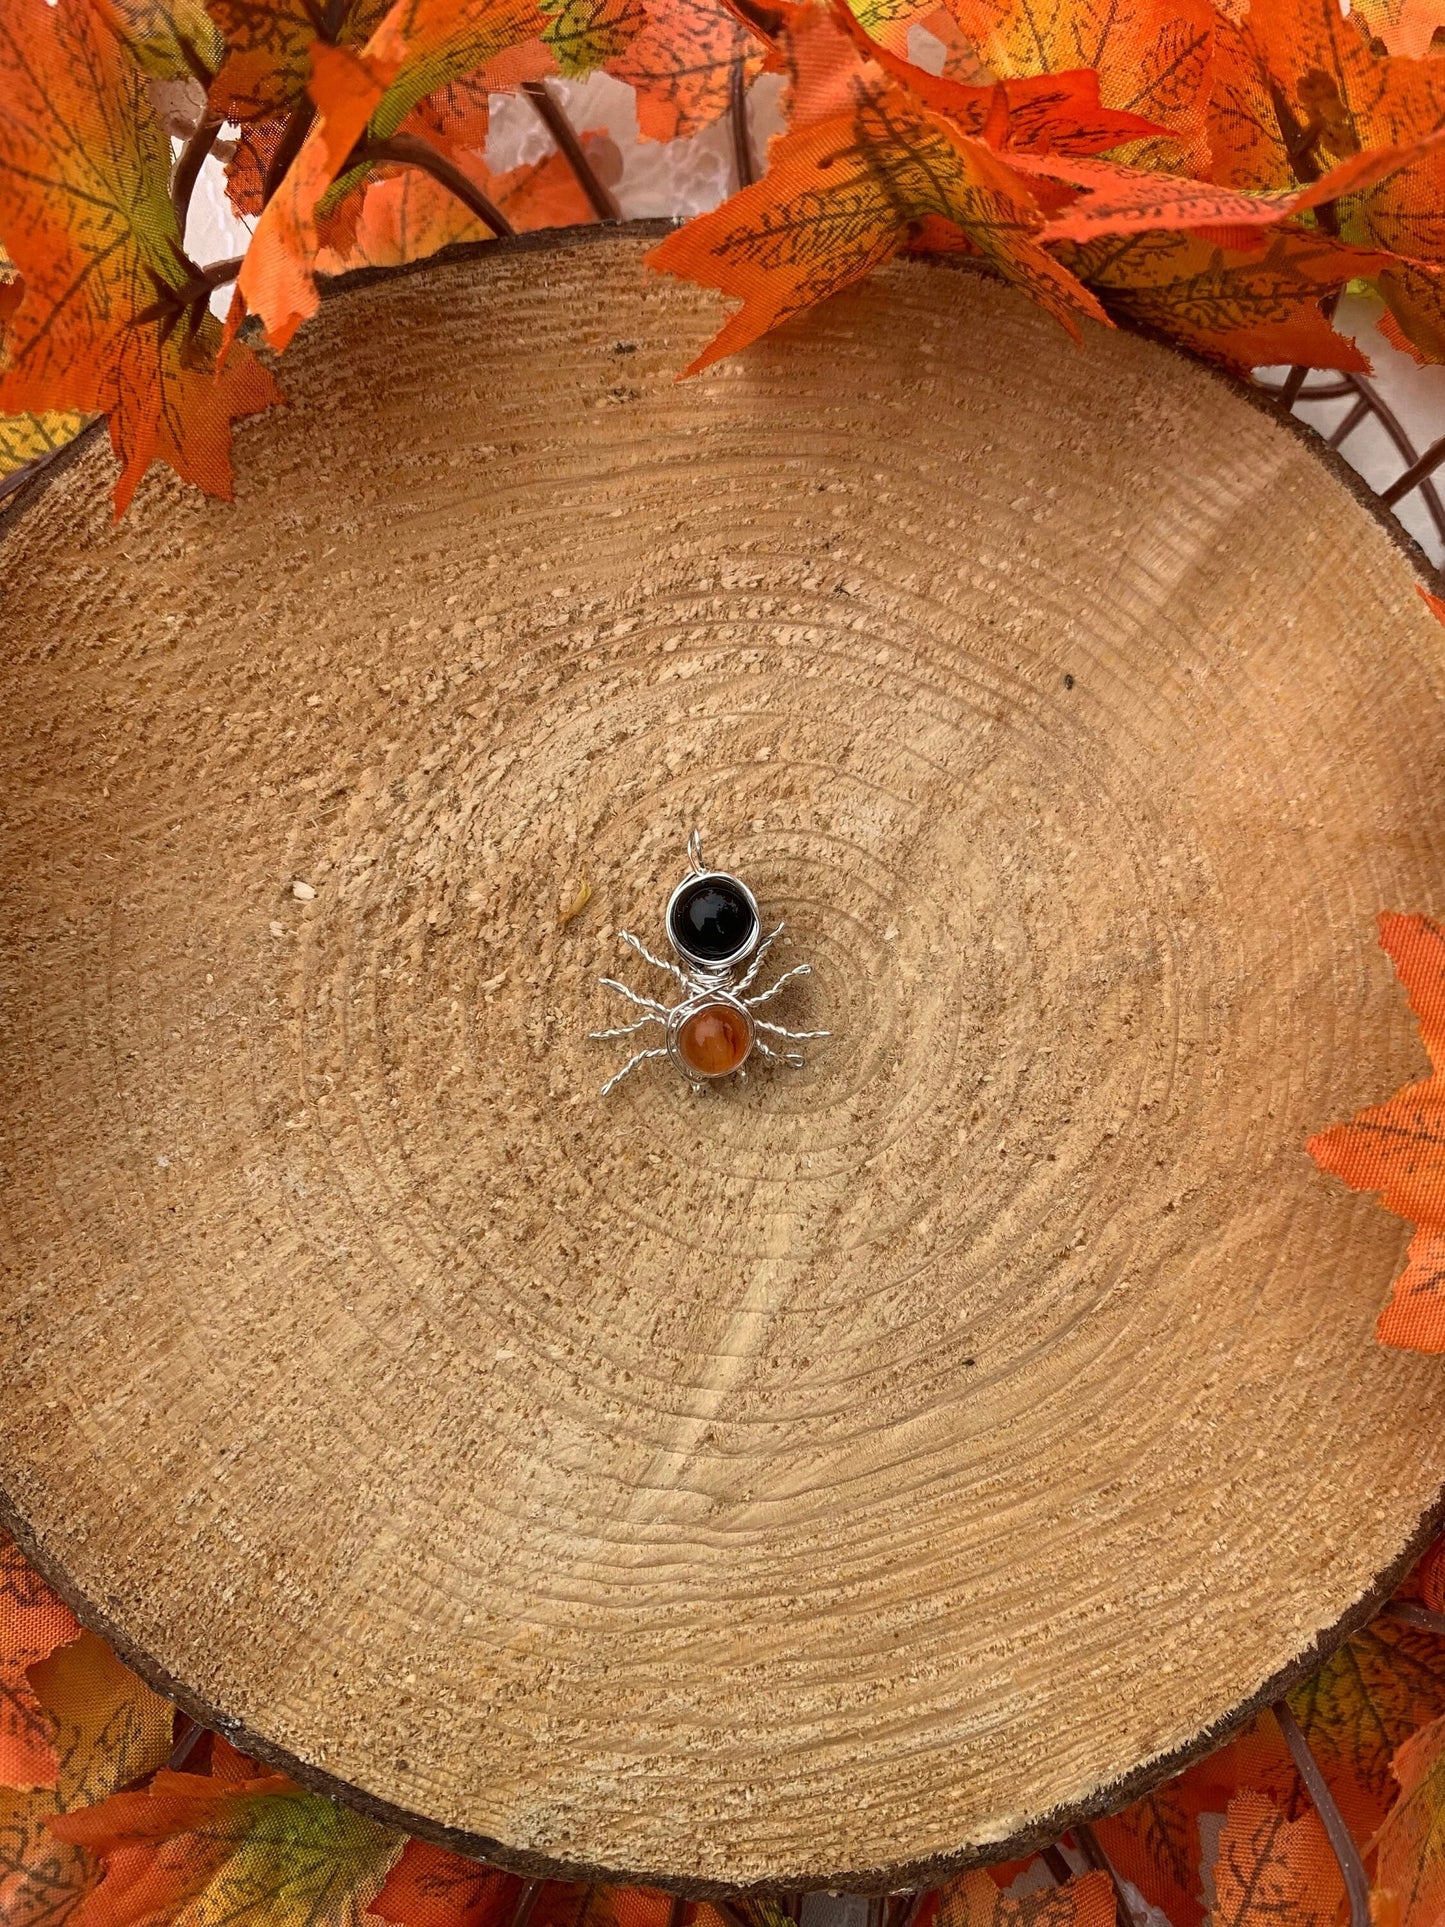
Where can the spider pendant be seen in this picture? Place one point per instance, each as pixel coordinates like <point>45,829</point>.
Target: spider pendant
<point>713,926</point>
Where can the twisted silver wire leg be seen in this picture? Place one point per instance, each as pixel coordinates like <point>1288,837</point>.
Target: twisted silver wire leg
<point>794,1036</point>
<point>757,963</point>
<point>694,851</point>
<point>629,1030</point>
<point>643,1003</point>
<point>798,970</point>
<point>631,1065</point>
<point>661,963</point>
<point>793,1058</point>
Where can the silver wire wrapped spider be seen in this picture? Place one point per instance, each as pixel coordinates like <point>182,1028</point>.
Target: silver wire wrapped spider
<point>712,923</point>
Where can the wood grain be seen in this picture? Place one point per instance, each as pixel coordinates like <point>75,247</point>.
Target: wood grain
<point>817,1481</point>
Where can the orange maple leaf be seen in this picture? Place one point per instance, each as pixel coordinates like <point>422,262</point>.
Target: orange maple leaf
<point>109,1728</point>
<point>584,34</point>
<point>1239,307</point>
<point>406,215</point>
<point>111,318</point>
<point>1411,1842</point>
<point>1271,1869</point>
<point>1401,26</point>
<point>1382,1685</point>
<point>268,50</point>
<point>429,1887</point>
<point>1152,57</point>
<point>419,46</point>
<point>974,1900</point>
<point>1398,1149</point>
<point>1119,199</point>
<point>844,194</point>
<point>1155,1844</point>
<point>214,1849</point>
<point>1058,113</point>
<point>1302,88</point>
<point>681,65</point>
<point>33,1623</point>
<point>172,39</point>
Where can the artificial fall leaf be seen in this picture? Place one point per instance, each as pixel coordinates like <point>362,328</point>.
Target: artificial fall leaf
<point>406,215</point>
<point>1365,1701</point>
<point>1247,144</point>
<point>1155,1844</point>
<point>1411,1842</point>
<point>1398,1149</point>
<point>1240,308</point>
<point>1043,114</point>
<point>110,320</point>
<point>681,65</point>
<point>195,1851</point>
<point>109,1729</point>
<point>1119,199</point>
<point>1152,57</point>
<point>973,1900</point>
<point>268,50</point>
<point>1414,321</point>
<point>34,1622</point>
<point>1428,1578</point>
<point>1270,1869</point>
<point>1401,26</point>
<point>25,438</point>
<point>421,45</point>
<point>171,39</point>
<point>584,34</point>
<point>429,1887</point>
<point>1332,96</point>
<point>842,196</point>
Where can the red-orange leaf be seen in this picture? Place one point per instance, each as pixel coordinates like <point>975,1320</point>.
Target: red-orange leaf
<point>1271,1870</point>
<point>1364,1702</point>
<point>1411,1843</point>
<point>1398,1149</point>
<point>973,1900</point>
<point>584,34</point>
<point>420,46</point>
<point>1042,114</point>
<point>1313,73</point>
<point>269,43</point>
<point>682,63</point>
<point>1130,200</point>
<point>842,196</point>
<point>1401,26</point>
<point>109,320</point>
<point>1153,57</point>
<point>1241,308</point>
<point>429,1887</point>
<point>406,215</point>
<point>229,1853</point>
<point>1155,1844</point>
<point>109,1729</point>
<point>33,1623</point>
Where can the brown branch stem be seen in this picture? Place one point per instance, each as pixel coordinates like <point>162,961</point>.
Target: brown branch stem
<point>1423,466</point>
<point>406,150</point>
<point>1357,1881</point>
<point>743,164</point>
<point>1410,1614</point>
<point>549,111</point>
<point>191,159</point>
<point>220,272</point>
<point>1093,1852</point>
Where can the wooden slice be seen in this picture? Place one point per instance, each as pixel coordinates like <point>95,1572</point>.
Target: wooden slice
<point>826,1479</point>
